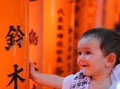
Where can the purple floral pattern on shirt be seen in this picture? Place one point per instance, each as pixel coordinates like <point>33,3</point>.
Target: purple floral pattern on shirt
<point>80,81</point>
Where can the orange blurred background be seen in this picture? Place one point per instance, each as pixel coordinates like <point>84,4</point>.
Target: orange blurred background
<point>47,32</point>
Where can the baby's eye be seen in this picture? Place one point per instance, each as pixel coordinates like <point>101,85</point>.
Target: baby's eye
<point>80,53</point>
<point>88,52</point>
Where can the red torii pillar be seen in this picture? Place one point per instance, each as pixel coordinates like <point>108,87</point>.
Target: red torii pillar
<point>14,68</point>
<point>58,34</point>
<point>35,36</point>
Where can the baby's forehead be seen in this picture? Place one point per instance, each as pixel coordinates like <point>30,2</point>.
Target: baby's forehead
<point>97,36</point>
<point>88,41</point>
<point>91,37</point>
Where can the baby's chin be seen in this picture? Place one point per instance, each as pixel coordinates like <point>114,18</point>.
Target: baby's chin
<point>85,72</point>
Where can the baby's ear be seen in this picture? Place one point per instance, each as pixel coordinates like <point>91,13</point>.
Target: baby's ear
<point>111,59</point>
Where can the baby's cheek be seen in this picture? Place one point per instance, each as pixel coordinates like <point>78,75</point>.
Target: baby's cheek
<point>79,64</point>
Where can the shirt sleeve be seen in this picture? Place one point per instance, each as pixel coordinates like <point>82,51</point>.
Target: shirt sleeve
<point>115,75</point>
<point>67,82</point>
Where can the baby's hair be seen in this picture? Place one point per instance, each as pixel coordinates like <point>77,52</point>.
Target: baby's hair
<point>109,41</point>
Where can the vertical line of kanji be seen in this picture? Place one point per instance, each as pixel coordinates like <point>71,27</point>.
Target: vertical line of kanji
<point>14,63</point>
<point>58,34</point>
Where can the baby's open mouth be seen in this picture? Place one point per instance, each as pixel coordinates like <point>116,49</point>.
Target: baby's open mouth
<point>85,65</point>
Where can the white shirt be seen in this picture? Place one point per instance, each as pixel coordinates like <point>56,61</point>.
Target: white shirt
<point>76,81</point>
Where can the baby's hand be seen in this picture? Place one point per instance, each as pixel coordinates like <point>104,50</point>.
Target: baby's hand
<point>31,69</point>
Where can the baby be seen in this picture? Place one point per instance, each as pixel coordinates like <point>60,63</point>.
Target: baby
<point>98,54</point>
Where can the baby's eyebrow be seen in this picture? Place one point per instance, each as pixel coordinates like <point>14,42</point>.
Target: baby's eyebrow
<point>86,48</point>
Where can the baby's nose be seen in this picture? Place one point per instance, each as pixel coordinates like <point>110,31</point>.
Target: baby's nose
<point>81,59</point>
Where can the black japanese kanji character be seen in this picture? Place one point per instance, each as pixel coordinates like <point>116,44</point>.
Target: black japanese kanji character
<point>60,19</point>
<point>60,11</point>
<point>15,76</point>
<point>69,57</point>
<point>59,59</point>
<point>14,35</point>
<point>59,51</point>
<point>59,44</point>
<point>69,67</point>
<point>60,35</point>
<point>34,86</point>
<point>69,40</point>
<point>32,0</point>
<point>58,71</point>
<point>60,27</point>
<point>76,23</point>
<point>77,9</point>
<point>69,48</point>
<point>33,38</point>
<point>71,1</point>
<point>77,0</point>
<point>70,30</point>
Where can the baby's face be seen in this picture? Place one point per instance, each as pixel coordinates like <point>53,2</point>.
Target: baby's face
<point>90,59</point>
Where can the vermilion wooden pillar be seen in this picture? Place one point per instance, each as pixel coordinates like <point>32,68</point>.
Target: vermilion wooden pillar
<point>14,68</point>
<point>58,33</point>
<point>35,36</point>
<point>99,13</point>
<point>117,11</point>
<point>110,8</point>
<point>85,18</point>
